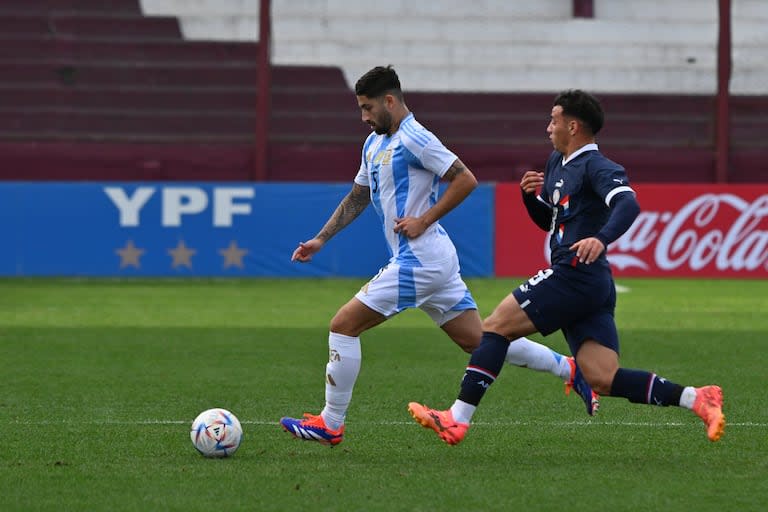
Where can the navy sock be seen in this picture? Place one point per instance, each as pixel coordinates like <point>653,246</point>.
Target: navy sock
<point>643,387</point>
<point>484,366</point>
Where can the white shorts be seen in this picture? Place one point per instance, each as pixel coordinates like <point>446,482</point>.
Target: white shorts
<point>438,291</point>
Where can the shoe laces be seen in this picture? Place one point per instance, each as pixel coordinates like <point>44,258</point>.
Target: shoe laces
<point>445,419</point>
<point>311,420</point>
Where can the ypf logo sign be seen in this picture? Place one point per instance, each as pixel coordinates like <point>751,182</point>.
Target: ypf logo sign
<point>178,205</point>
<point>180,202</point>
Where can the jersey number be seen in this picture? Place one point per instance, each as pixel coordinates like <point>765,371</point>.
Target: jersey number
<point>375,178</point>
<point>542,275</point>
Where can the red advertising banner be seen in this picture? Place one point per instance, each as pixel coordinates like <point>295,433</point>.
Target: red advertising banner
<point>702,230</point>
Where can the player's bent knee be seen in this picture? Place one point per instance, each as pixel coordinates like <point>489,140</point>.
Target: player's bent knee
<point>343,324</point>
<point>601,387</point>
<point>599,380</point>
<point>338,327</point>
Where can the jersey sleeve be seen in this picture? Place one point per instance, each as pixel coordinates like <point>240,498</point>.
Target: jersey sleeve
<point>608,180</point>
<point>427,151</point>
<point>437,158</point>
<point>362,173</point>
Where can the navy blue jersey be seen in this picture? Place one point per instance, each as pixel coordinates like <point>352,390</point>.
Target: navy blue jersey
<point>580,195</point>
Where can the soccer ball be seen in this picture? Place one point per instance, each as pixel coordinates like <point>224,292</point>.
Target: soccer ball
<point>216,433</point>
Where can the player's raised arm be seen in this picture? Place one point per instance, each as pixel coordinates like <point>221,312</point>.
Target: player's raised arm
<point>538,211</point>
<point>348,210</point>
<point>462,183</point>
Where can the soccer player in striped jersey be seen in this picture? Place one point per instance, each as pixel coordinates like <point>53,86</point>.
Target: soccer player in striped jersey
<point>402,164</point>
<point>585,202</point>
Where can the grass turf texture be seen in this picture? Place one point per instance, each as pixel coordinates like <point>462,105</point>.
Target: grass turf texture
<point>101,380</point>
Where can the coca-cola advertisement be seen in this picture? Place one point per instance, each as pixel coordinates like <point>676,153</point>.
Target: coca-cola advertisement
<point>702,230</point>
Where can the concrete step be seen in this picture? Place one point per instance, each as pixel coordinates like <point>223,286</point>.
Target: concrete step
<point>328,9</point>
<point>70,6</point>
<point>679,10</point>
<point>101,26</point>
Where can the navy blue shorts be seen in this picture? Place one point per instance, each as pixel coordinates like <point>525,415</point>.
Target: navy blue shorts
<point>579,300</point>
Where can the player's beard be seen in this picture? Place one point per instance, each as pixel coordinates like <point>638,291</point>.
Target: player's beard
<point>384,124</point>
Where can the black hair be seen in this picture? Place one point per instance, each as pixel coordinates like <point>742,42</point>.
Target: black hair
<point>378,82</point>
<point>583,106</point>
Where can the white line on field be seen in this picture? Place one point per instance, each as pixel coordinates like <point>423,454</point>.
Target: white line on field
<point>592,423</point>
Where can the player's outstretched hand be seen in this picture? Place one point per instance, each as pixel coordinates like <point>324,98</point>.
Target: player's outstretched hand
<point>531,181</point>
<point>588,249</point>
<point>305,250</point>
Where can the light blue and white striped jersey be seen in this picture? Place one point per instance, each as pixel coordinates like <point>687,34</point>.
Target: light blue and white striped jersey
<point>403,171</point>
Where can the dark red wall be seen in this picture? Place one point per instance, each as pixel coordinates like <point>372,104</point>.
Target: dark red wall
<point>93,90</point>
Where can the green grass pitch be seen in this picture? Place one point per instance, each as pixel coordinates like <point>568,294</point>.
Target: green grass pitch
<point>102,378</point>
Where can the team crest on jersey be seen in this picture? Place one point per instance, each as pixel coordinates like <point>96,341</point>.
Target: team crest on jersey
<point>564,201</point>
<point>383,157</point>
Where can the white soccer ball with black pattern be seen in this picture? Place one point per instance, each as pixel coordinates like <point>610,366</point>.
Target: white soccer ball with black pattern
<point>216,433</point>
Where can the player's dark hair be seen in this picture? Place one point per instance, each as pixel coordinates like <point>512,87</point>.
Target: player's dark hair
<point>378,82</point>
<point>583,106</point>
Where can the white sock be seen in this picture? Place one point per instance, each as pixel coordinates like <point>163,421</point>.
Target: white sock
<point>528,353</point>
<point>688,397</point>
<point>462,411</point>
<point>344,356</point>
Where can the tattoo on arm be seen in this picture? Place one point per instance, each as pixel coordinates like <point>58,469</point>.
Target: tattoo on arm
<point>350,207</point>
<point>454,170</point>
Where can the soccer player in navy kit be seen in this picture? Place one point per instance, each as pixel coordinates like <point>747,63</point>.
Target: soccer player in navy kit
<point>585,202</point>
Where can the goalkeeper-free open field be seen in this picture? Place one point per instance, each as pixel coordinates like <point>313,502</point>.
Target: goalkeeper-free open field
<point>101,380</point>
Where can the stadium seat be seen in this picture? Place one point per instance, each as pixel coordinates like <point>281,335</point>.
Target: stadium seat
<point>125,73</point>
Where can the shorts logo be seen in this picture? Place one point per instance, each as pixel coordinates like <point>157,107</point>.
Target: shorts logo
<point>364,289</point>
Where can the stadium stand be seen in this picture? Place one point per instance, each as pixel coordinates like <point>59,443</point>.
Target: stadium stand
<point>166,89</point>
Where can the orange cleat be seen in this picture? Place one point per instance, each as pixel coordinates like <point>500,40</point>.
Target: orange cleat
<point>441,422</point>
<point>709,407</point>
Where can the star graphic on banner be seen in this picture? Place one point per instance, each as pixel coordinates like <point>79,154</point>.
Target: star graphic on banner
<point>130,255</point>
<point>233,255</point>
<point>182,255</point>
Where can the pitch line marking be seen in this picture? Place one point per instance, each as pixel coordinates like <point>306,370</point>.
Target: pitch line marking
<point>748,424</point>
